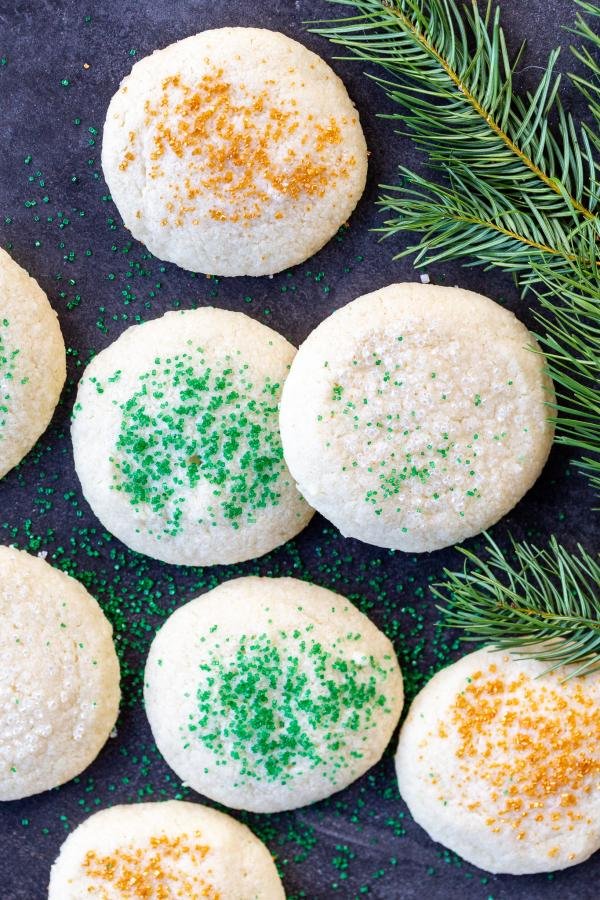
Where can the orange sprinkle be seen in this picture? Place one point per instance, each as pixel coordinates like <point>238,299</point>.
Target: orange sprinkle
<point>540,742</point>
<point>329,135</point>
<point>240,147</point>
<point>128,158</point>
<point>151,872</point>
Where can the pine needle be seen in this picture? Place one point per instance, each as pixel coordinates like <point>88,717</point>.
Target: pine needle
<point>544,605</point>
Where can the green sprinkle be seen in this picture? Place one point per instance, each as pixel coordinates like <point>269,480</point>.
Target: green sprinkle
<point>221,429</point>
<point>261,706</point>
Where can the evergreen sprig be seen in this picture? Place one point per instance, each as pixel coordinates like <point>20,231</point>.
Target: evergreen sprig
<point>511,179</point>
<point>515,182</point>
<point>543,604</point>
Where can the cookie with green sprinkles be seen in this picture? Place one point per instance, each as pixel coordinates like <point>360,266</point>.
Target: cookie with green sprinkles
<point>176,439</point>
<point>267,694</point>
<point>59,678</point>
<point>164,851</point>
<point>32,362</point>
<point>417,416</point>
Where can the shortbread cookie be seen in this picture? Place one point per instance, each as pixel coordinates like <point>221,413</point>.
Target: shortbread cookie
<point>233,152</point>
<point>416,416</point>
<point>502,765</point>
<point>176,439</point>
<point>270,693</point>
<point>59,678</point>
<point>32,362</point>
<point>164,851</point>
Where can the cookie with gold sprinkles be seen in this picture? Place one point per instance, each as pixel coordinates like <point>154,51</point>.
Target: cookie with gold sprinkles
<point>176,439</point>
<point>267,694</point>
<point>417,416</point>
<point>164,851</point>
<point>59,678</point>
<point>235,151</point>
<point>32,362</point>
<point>501,763</point>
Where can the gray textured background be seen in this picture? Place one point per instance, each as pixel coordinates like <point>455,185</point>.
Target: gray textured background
<point>45,42</point>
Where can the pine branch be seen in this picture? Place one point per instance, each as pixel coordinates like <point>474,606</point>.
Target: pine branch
<point>543,605</point>
<point>473,220</point>
<point>452,79</point>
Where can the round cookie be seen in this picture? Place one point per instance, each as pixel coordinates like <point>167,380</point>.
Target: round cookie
<point>233,152</point>
<point>416,416</point>
<point>267,694</point>
<point>176,439</point>
<point>164,850</point>
<point>32,362</point>
<point>59,679</point>
<point>502,765</point>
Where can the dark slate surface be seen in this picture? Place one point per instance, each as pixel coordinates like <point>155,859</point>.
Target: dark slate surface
<point>364,838</point>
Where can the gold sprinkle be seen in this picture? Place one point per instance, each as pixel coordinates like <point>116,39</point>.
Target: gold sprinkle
<point>231,139</point>
<point>538,740</point>
<point>156,871</point>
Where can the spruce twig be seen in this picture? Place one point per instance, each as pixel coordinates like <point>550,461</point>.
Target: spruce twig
<point>544,605</point>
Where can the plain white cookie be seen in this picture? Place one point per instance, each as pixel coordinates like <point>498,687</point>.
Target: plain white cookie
<point>416,416</point>
<point>59,678</point>
<point>176,439</point>
<point>267,694</point>
<point>32,362</point>
<point>234,152</point>
<point>164,850</point>
<point>502,765</point>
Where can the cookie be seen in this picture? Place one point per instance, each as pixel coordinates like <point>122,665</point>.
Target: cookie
<point>164,850</point>
<point>59,679</point>
<point>176,439</point>
<point>416,416</point>
<point>233,152</point>
<point>267,694</point>
<point>32,362</point>
<point>500,763</point>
